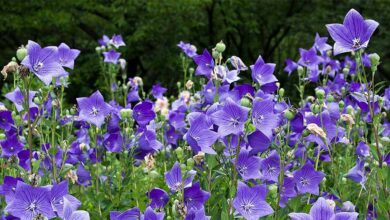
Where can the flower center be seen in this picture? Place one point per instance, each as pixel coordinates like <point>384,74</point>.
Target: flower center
<point>271,169</point>
<point>304,181</point>
<point>38,66</point>
<point>234,122</point>
<point>242,170</point>
<point>94,111</point>
<point>177,186</point>
<point>247,207</point>
<point>258,118</point>
<point>356,43</point>
<point>32,207</point>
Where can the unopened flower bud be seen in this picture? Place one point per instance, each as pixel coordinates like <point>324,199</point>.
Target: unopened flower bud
<point>189,84</point>
<point>190,163</point>
<point>341,105</point>
<point>374,58</point>
<point>126,113</point>
<point>220,47</point>
<point>21,53</point>
<point>329,98</point>
<point>246,102</point>
<point>179,152</point>
<point>289,115</point>
<point>346,71</point>
<point>315,108</point>
<point>215,54</point>
<point>350,110</point>
<point>300,70</point>
<point>281,92</point>
<point>191,70</point>
<point>320,93</point>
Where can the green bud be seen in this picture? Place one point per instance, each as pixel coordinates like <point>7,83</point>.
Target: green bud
<point>21,53</point>
<point>191,70</point>
<point>126,113</point>
<point>2,136</point>
<point>183,166</point>
<point>320,93</point>
<point>315,108</point>
<point>190,163</point>
<point>281,92</point>
<point>98,49</point>
<point>341,105</point>
<point>220,47</point>
<point>216,54</point>
<point>329,98</point>
<point>154,174</point>
<point>37,100</point>
<point>289,114</point>
<point>273,189</point>
<point>350,110</point>
<point>179,152</point>
<point>300,70</point>
<point>246,102</point>
<point>344,180</point>
<point>346,71</point>
<point>219,147</point>
<point>178,84</point>
<point>305,133</point>
<point>374,58</point>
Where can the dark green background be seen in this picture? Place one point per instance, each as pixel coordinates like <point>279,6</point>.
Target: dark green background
<point>151,30</point>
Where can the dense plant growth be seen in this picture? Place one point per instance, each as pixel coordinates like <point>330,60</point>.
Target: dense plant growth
<point>224,148</point>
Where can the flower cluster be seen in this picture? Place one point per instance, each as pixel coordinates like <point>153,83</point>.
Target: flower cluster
<point>225,147</point>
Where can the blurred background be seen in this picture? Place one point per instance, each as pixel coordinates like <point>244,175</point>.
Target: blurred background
<point>151,30</point>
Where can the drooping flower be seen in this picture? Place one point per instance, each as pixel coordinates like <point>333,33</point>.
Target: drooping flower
<point>248,166</point>
<point>199,136</point>
<point>58,194</point>
<point>263,116</point>
<point>320,44</point>
<point>111,56</point>
<point>104,40</point>
<point>159,198</point>
<point>43,62</point>
<point>18,98</point>
<point>174,178</point>
<point>158,91</point>
<point>307,179</point>
<point>71,213</point>
<point>357,173</point>
<point>113,142</point>
<point>353,34</point>
<point>187,48</point>
<point>290,66</point>
<point>195,197</point>
<point>131,214</point>
<point>117,41</point>
<point>66,56</point>
<point>143,113</point>
<point>93,109</point>
<point>11,146</point>
<point>151,215</point>
<point>237,63</point>
<point>250,202</point>
<point>322,210</point>
<point>258,142</point>
<point>363,149</point>
<point>262,72</point>
<point>30,202</point>
<point>83,176</point>
<point>270,167</point>
<point>205,64</point>
<point>231,118</point>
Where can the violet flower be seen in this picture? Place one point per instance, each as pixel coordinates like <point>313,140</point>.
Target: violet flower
<point>205,64</point>
<point>263,117</point>
<point>321,210</point>
<point>231,118</point>
<point>270,167</point>
<point>159,198</point>
<point>30,202</point>
<point>66,56</point>
<point>117,41</point>
<point>143,113</point>
<point>195,197</point>
<point>151,215</point>
<point>199,136</point>
<point>158,91</point>
<point>187,48</point>
<point>307,179</point>
<point>43,62</point>
<point>174,178</point>
<point>18,98</point>
<point>11,146</point>
<point>262,72</point>
<point>131,214</point>
<point>71,213</point>
<point>247,166</point>
<point>353,34</point>
<point>250,202</point>
<point>111,56</point>
<point>93,109</point>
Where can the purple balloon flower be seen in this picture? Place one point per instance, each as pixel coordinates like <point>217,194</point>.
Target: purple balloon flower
<point>247,166</point>
<point>321,210</point>
<point>93,109</point>
<point>270,167</point>
<point>187,48</point>
<point>111,56</point>
<point>205,64</point>
<point>353,34</point>
<point>199,136</point>
<point>11,146</point>
<point>117,41</point>
<point>231,118</point>
<point>159,198</point>
<point>250,202</point>
<point>9,188</point>
<point>131,214</point>
<point>30,202</point>
<point>290,66</point>
<point>43,62</point>
<point>158,91</point>
<point>104,40</point>
<point>262,72</point>
<point>71,213</point>
<point>151,215</point>
<point>195,197</point>
<point>66,56</point>
<point>320,44</point>
<point>309,58</point>
<point>59,192</point>
<point>143,113</point>
<point>17,98</point>
<point>174,178</point>
<point>263,116</point>
<point>6,120</point>
<point>307,179</point>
